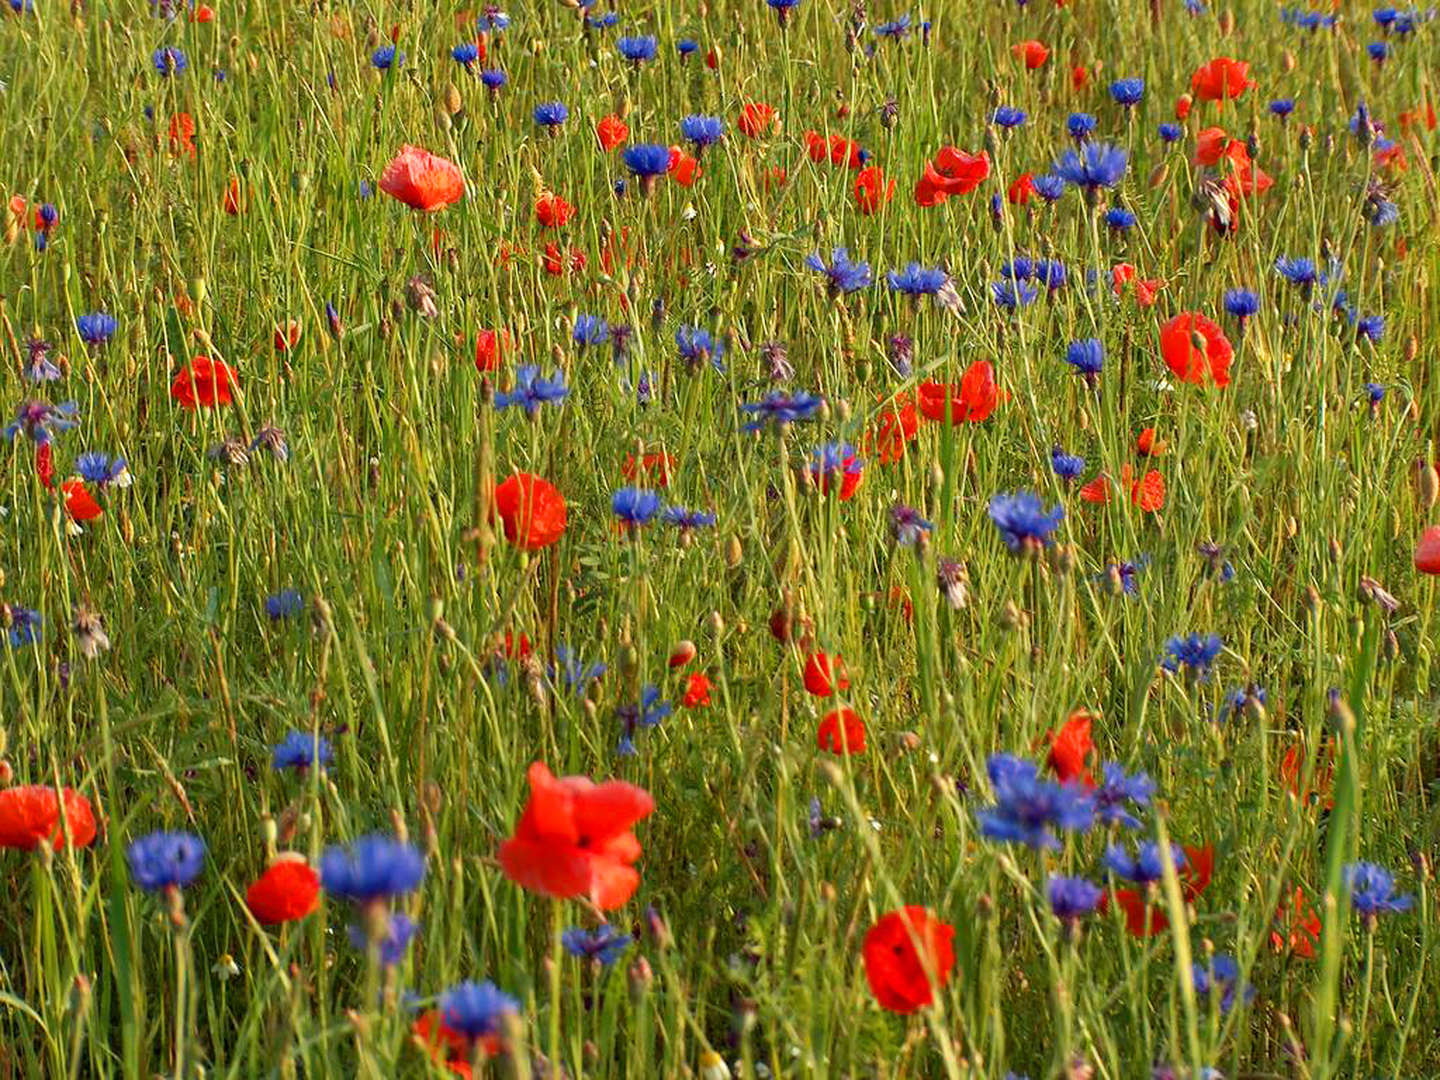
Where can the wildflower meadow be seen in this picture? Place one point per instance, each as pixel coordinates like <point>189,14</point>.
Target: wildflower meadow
<point>737,538</point>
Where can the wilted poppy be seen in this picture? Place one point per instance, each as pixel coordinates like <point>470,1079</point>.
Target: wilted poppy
<point>574,839</point>
<point>532,510</point>
<point>421,180</point>
<point>612,132</point>
<point>842,732</point>
<point>908,955</point>
<point>1220,79</point>
<point>824,674</point>
<point>1196,350</point>
<point>203,384</point>
<point>872,190</point>
<point>971,402</point>
<point>30,816</point>
<point>288,890</point>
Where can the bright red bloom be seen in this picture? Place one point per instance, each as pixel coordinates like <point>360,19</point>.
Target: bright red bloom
<point>557,262</point>
<point>1391,157</point>
<point>1427,551</point>
<point>895,426</point>
<point>908,955</point>
<point>612,132</point>
<point>287,336</point>
<point>656,466</point>
<point>1079,76</point>
<point>1147,446</point>
<point>202,13</point>
<point>233,203</point>
<point>532,510</point>
<point>1148,492</point>
<point>288,890</point>
<point>30,816</point>
<point>1070,747</point>
<point>421,180</point>
<point>1146,920</point>
<point>872,190</point>
<point>79,503</point>
<point>1020,191</point>
<point>182,134</point>
<point>953,172</point>
<point>1212,144</point>
<point>971,402</point>
<point>45,465</point>
<point>841,732</point>
<point>1182,106</point>
<point>490,346</point>
<point>450,1048</point>
<point>1032,53</point>
<point>1221,79</point>
<point>1123,274</point>
<point>574,839</point>
<point>1196,350</point>
<point>1292,772</point>
<point>204,384</point>
<point>1297,929</point>
<point>697,691</point>
<point>552,212</point>
<point>824,674</point>
<point>684,167</point>
<point>757,118</point>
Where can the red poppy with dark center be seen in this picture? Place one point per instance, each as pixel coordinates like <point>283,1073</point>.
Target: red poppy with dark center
<point>30,815</point>
<point>204,384</point>
<point>552,211</point>
<point>757,119</point>
<point>1297,927</point>
<point>533,511</point>
<point>490,346</point>
<point>288,890</point>
<point>1070,747</point>
<point>1221,79</point>
<point>1196,350</point>
<point>1031,53</point>
<point>825,673</point>
<point>872,190</point>
<point>697,691</point>
<point>970,403</point>
<point>841,732</point>
<point>908,955</point>
<point>574,839</point>
<point>611,131</point>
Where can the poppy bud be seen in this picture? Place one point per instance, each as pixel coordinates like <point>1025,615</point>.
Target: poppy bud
<point>7,773</point>
<point>1412,348</point>
<point>452,98</point>
<point>1011,617</point>
<point>1226,22</point>
<point>734,553</point>
<point>1287,61</point>
<point>1427,483</point>
<point>195,289</point>
<point>682,654</point>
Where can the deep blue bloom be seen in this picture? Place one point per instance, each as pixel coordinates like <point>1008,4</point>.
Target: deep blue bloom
<point>907,525</point>
<point>493,78</point>
<point>1024,523</point>
<point>551,114</point>
<point>1241,303</point>
<point>165,860</point>
<point>917,280</point>
<point>1372,890</point>
<point>1119,219</point>
<point>1071,899</point>
<point>531,390</point>
<point>590,330</point>
<point>96,329</point>
<point>41,422</point>
<point>1049,186</point>
<point>843,275</point>
<point>647,713</point>
<point>1375,392</point>
<point>1381,212</point>
<point>686,520</point>
<point>1371,327</point>
<point>1282,107</point>
<point>476,1010</point>
<point>1013,294</point>
<point>1051,273</point>
<point>576,672</point>
<point>602,22</point>
<point>400,930</point>
<point>1127,92</point>
<point>1222,976</point>
<point>635,506</point>
<point>1195,653</point>
<point>703,131</point>
<point>637,49</point>
<point>1169,132</point>
<point>647,159</point>
<point>25,625</point>
<point>1118,791</point>
<point>696,346</point>
<point>1146,866</point>
<point>98,467</point>
<point>603,944</point>
<point>1379,51</point>
<point>1087,357</point>
<point>386,57</point>
<point>285,604</point>
<point>1007,117</point>
<point>466,53</point>
<point>1241,699</point>
<point>1067,466</point>
<point>1020,268</point>
<point>1080,125</point>
<point>1384,17</point>
<point>48,215</point>
<point>686,46</point>
<point>301,750</point>
<point>169,61</point>
<point>896,28</point>
<point>1093,166</point>
<point>780,407</point>
<point>1297,271</point>
<point>1027,808</point>
<point>492,19</point>
<point>1127,573</point>
<point>375,867</point>
<point>782,7</point>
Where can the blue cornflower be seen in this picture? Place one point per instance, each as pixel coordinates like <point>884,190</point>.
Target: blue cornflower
<point>1375,392</point>
<point>99,468</point>
<point>604,944</point>
<point>300,750</point>
<point>465,54</point>
<point>1379,51</point>
<point>166,860</point>
<point>1080,125</point>
<point>1087,357</point>
<point>1024,523</point>
<point>1384,17</point>
<point>1146,866</point>
<point>1118,790</point>
<point>686,46</point>
<point>842,275</point>
<point>1282,107</point>
<point>1020,268</point>
<point>285,604</point>
<point>780,407</point>
<point>1243,700</point>
<point>169,61</point>
<point>25,625</point>
<point>39,367</point>
<point>687,520</point>
<point>1381,212</point>
<point>396,933</point>
<point>908,526</point>
<point>1127,92</point>
<point>647,713</point>
<point>1027,808</point>
<point>531,390</point>
<point>1126,573</point>
<point>1170,132</point>
<point>1222,976</point>
<point>1071,899</point>
<point>1093,166</point>
<point>647,159</point>
<point>1195,653</point>
<point>386,57</point>
<point>1370,327</point>
<point>1241,304</point>
<point>1372,890</point>
<point>493,20</point>
<point>590,330</point>
<point>493,78</point>
<point>1049,187</point>
<point>602,22</point>
<point>477,1010</point>
<point>1298,271</point>
<point>635,506</point>
<point>1007,117</point>
<point>896,28</point>
<point>637,49</point>
<point>375,867</point>
<point>703,131</point>
<point>576,672</point>
<point>1119,219</point>
<point>916,280</point>
<point>96,329</point>
<point>1067,466</point>
<point>696,346</point>
<point>834,461</point>
<point>41,422</point>
<point>782,9</point>
<point>1051,273</point>
<point>551,115</point>
<point>1013,294</point>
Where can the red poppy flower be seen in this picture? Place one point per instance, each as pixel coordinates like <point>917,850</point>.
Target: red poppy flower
<point>685,168</point>
<point>1182,106</point>
<point>450,1048</point>
<point>421,180</point>
<point>202,13</point>
<point>841,732</point>
<point>1148,492</point>
<point>895,426</point>
<point>908,955</point>
<point>79,503</point>
<point>971,402</point>
<point>182,134</point>
<point>204,384</point>
<point>1424,113</point>
<point>712,58</point>
<point>1221,79</point>
<point>953,172</point>
<point>1096,491</point>
<point>1297,929</point>
<point>232,203</point>
<point>824,674</point>
<point>1427,551</point>
<point>574,839</point>
<point>490,345</point>
<point>656,466</point>
<point>697,691</point>
<point>1212,144</point>
<point>30,816</point>
<point>1020,191</point>
<point>1123,274</point>
<point>612,132</point>
<point>551,211</point>
<point>1031,53</point>
<point>45,465</point>
<point>1196,350</point>
<point>1070,747</point>
<point>872,190</point>
<point>1079,76</point>
<point>1147,445</point>
<point>532,510</point>
<point>288,890</point>
<point>1391,157</point>
<point>1146,920</point>
<point>756,119</point>
<point>287,336</point>
<point>1292,772</point>
<point>557,262</point>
